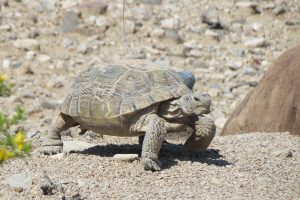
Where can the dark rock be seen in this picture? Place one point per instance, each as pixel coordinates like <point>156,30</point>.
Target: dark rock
<point>274,105</point>
<point>188,78</point>
<point>279,10</point>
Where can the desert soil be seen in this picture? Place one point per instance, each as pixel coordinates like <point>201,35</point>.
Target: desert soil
<point>44,44</point>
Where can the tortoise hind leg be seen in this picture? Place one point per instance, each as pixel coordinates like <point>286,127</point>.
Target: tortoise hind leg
<point>53,144</point>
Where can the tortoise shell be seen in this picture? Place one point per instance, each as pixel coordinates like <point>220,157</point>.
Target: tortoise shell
<point>102,94</point>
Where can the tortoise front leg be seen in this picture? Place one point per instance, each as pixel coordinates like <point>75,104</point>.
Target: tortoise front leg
<point>154,137</point>
<point>53,144</point>
<point>204,132</point>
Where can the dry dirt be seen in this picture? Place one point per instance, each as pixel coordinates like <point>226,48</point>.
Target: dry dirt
<point>44,44</point>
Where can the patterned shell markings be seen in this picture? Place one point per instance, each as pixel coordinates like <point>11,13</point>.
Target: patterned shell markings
<point>100,94</point>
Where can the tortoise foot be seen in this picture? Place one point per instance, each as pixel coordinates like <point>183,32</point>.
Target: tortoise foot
<point>152,164</point>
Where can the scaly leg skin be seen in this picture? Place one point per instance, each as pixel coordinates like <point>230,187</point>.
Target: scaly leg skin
<point>204,133</point>
<point>155,135</point>
<point>53,144</point>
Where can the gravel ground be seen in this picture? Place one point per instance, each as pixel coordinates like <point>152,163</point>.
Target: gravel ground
<point>44,44</point>
<point>247,166</point>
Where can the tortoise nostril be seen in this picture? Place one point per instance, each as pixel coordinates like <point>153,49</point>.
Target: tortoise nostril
<point>196,99</point>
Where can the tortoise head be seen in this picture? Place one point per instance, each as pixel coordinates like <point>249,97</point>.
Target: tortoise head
<point>197,103</point>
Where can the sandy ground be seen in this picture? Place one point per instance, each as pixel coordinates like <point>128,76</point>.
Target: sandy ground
<point>247,166</point>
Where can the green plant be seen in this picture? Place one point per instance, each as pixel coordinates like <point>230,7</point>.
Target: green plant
<point>5,88</point>
<point>12,145</point>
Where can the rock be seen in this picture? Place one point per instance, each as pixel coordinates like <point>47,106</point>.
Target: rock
<point>102,23</point>
<point>95,6</point>
<point>82,48</point>
<point>43,58</point>
<point>66,4</point>
<point>249,4</point>
<point>173,35</point>
<point>6,63</point>
<point>234,64</point>
<point>52,105</point>
<point>255,42</point>
<point>292,22</point>
<point>27,44</point>
<point>256,26</point>
<point>211,17</point>
<point>170,23</point>
<point>156,2</point>
<point>126,157</point>
<point>279,10</point>
<point>283,153</point>
<point>198,63</point>
<point>5,27</point>
<point>30,55</point>
<point>69,21</point>
<point>33,34</point>
<point>20,180</point>
<point>49,5</point>
<point>130,26</point>
<point>188,78</point>
<point>67,42</point>
<point>246,4</point>
<point>250,71</point>
<point>157,32</point>
<point>27,93</point>
<point>31,133</point>
<point>138,54</point>
<point>56,82</point>
<point>274,105</point>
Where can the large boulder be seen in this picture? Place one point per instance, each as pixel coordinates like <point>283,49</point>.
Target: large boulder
<point>274,105</point>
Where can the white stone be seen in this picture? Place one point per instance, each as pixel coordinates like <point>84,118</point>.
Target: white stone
<point>126,157</point>
<point>256,26</point>
<point>6,63</point>
<point>102,23</point>
<point>82,48</point>
<point>246,4</point>
<point>30,55</point>
<point>68,4</point>
<point>43,58</point>
<point>194,53</point>
<point>170,23</point>
<point>28,44</point>
<point>255,42</point>
<point>5,27</point>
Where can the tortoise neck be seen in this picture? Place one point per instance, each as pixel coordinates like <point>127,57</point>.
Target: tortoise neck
<point>171,111</point>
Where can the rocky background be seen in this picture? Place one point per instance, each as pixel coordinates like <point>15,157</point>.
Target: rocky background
<point>228,44</point>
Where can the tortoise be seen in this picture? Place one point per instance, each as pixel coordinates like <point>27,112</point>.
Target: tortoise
<point>134,98</point>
